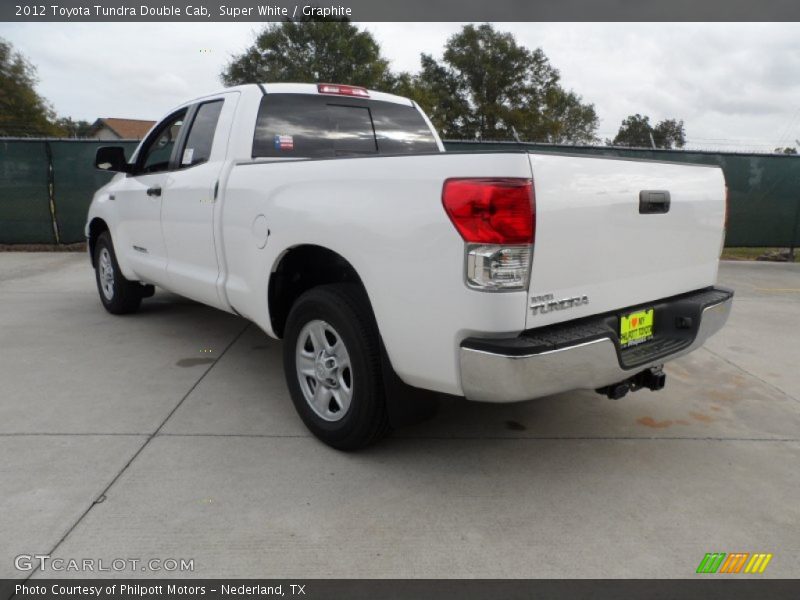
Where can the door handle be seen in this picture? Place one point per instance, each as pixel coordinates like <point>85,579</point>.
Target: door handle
<point>154,191</point>
<point>654,202</point>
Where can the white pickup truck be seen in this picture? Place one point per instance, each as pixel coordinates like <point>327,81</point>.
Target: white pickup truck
<point>332,217</point>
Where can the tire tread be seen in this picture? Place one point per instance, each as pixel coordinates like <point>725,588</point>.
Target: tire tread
<point>374,422</point>
<point>127,294</point>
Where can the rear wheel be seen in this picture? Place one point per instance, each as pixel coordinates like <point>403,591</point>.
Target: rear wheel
<point>118,295</point>
<point>332,366</point>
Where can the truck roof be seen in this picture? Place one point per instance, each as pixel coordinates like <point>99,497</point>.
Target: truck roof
<point>305,88</point>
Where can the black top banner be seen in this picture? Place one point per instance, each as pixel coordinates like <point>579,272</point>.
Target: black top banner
<point>400,10</point>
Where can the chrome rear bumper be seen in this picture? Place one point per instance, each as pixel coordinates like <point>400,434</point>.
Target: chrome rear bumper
<point>492,376</point>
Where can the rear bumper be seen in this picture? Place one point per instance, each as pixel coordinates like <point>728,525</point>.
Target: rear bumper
<point>586,354</point>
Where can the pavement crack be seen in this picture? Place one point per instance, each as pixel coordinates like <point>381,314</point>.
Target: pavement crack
<point>104,492</point>
<point>196,383</point>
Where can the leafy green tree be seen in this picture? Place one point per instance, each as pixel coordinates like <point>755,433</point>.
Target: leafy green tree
<point>636,131</point>
<point>437,91</point>
<point>321,50</point>
<point>489,86</point>
<point>787,150</point>
<point>74,129</point>
<point>669,133</point>
<point>486,86</point>
<point>23,112</point>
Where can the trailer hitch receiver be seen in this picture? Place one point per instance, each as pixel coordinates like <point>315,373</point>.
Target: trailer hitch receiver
<point>653,379</point>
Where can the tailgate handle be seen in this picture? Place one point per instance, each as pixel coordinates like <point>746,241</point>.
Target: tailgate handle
<point>653,202</point>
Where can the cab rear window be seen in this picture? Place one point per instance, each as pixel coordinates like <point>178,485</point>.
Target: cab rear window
<point>309,126</point>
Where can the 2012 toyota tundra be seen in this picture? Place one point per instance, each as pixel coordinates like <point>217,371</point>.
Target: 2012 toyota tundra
<point>332,217</point>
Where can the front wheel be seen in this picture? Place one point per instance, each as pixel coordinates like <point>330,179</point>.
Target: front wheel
<point>118,295</point>
<point>331,359</point>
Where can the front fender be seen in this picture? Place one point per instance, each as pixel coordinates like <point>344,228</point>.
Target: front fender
<point>102,207</point>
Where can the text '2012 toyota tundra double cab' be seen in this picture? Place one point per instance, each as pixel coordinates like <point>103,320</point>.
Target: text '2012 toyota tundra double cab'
<point>331,217</point>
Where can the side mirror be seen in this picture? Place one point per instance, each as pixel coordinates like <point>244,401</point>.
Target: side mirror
<point>111,158</point>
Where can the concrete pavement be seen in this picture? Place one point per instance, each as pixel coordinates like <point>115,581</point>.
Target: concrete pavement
<point>170,434</point>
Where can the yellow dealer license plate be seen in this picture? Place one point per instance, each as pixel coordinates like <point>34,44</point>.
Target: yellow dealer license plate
<point>636,328</point>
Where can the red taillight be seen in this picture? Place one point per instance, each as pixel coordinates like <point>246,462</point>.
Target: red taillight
<point>491,211</point>
<point>342,90</point>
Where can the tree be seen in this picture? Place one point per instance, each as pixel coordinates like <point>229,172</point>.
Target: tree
<point>787,150</point>
<point>328,50</point>
<point>23,112</point>
<point>487,85</point>
<point>74,129</point>
<point>669,133</point>
<point>636,131</point>
<point>437,91</point>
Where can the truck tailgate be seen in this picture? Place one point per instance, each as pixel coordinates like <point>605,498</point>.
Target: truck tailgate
<point>595,252</point>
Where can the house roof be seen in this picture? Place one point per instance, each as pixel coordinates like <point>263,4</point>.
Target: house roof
<point>130,129</point>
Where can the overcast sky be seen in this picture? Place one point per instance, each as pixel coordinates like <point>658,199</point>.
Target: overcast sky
<point>736,86</point>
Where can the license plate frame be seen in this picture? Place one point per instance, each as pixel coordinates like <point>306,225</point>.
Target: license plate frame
<point>636,327</point>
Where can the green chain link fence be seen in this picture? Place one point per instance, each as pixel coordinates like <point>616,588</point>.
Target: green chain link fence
<point>46,187</point>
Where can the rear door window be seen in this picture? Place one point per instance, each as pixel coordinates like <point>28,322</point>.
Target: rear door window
<point>309,126</point>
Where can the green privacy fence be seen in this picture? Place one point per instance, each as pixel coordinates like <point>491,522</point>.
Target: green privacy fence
<point>74,181</point>
<point>764,188</point>
<point>24,193</point>
<point>46,187</point>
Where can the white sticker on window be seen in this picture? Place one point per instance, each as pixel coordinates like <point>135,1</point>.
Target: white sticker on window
<point>187,156</point>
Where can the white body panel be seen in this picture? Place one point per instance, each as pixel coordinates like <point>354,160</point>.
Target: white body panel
<point>592,241</point>
<point>138,231</point>
<point>384,215</point>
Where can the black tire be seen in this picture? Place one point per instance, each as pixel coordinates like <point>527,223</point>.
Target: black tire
<point>346,309</point>
<point>125,295</point>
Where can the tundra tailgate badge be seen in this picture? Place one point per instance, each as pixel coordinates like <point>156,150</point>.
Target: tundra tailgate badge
<point>546,303</point>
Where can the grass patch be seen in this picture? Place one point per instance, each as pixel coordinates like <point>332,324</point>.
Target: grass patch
<point>76,247</point>
<point>751,253</point>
